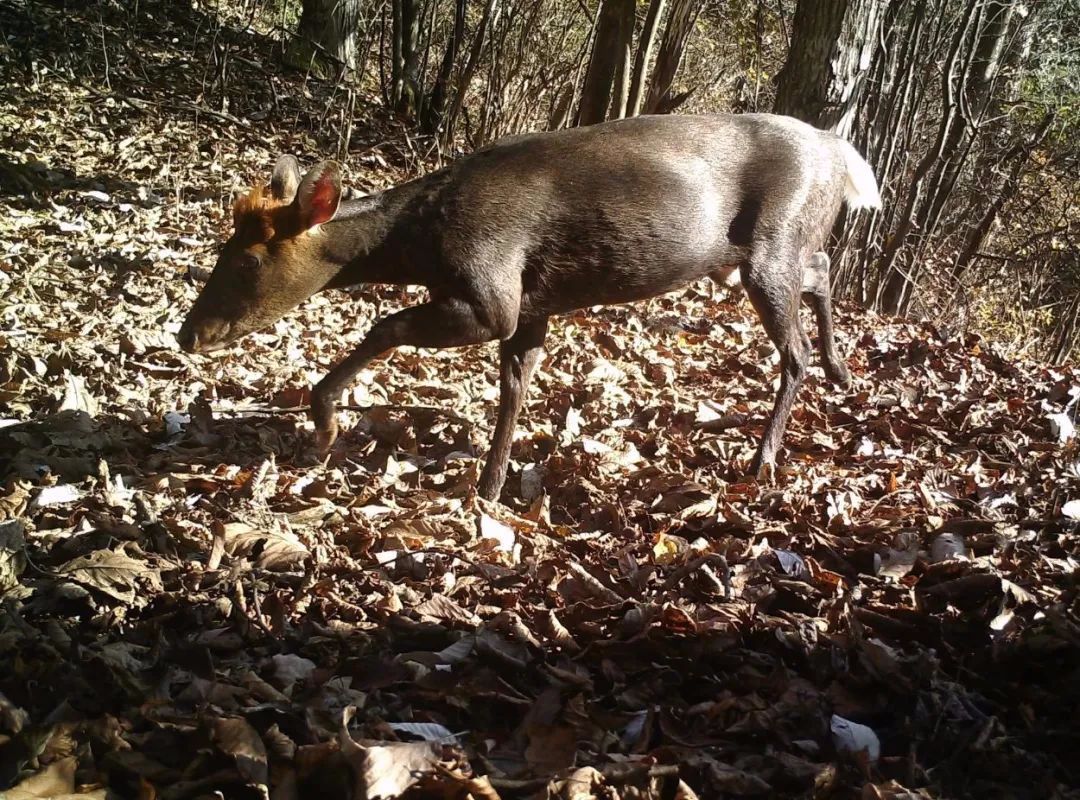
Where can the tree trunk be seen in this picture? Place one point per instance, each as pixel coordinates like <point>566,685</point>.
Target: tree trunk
<point>487,20</point>
<point>679,27</point>
<point>894,290</point>
<point>831,50</point>
<point>620,85</point>
<point>405,67</point>
<point>560,110</point>
<point>889,103</point>
<point>981,47</point>
<point>327,31</point>
<point>644,55</point>
<point>1019,156</point>
<point>1063,338</point>
<point>436,105</point>
<point>614,30</point>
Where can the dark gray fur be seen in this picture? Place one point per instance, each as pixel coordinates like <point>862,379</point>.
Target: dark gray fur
<point>548,223</point>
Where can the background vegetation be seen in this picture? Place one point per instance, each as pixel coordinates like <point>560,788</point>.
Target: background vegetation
<point>967,110</point>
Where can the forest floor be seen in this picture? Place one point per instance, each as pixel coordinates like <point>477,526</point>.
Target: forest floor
<point>189,607</point>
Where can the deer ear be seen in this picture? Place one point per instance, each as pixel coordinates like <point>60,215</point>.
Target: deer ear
<point>319,194</point>
<point>286,179</point>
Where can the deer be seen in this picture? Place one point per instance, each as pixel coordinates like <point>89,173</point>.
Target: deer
<point>544,224</point>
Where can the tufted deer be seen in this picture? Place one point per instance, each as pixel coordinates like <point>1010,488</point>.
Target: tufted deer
<point>544,224</point>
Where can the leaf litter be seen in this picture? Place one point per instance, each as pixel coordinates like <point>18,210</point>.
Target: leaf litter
<point>190,608</point>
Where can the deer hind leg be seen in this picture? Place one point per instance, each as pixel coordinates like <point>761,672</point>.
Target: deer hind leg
<point>518,357</point>
<point>816,292</point>
<point>773,282</point>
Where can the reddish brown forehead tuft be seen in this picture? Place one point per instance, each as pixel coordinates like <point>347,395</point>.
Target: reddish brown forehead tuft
<point>258,217</point>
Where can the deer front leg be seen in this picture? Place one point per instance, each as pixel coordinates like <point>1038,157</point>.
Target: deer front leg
<point>518,357</point>
<point>444,323</point>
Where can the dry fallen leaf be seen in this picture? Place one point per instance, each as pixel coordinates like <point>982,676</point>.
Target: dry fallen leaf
<point>12,554</point>
<point>113,572</point>
<point>384,771</point>
<point>855,740</point>
<point>181,580</point>
<point>235,737</point>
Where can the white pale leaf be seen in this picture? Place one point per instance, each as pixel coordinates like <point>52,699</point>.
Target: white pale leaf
<point>428,731</point>
<point>852,738</point>
<point>491,528</point>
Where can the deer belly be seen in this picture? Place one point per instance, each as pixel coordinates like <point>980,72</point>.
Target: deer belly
<point>550,291</point>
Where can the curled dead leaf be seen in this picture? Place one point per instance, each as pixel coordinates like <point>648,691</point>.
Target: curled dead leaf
<point>384,770</point>
<point>234,736</point>
<point>115,573</point>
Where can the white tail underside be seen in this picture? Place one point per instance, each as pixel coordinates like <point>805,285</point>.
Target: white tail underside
<point>860,188</point>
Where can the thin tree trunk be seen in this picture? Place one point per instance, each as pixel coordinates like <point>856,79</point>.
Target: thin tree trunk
<point>608,51</point>
<point>465,78</point>
<point>831,52</point>
<point>436,104</point>
<point>496,45</point>
<point>897,278</point>
<point>889,102</point>
<point>967,90</point>
<point>1063,339</point>
<point>620,85</point>
<point>397,63</point>
<point>328,28</point>
<point>646,42</point>
<point>1019,155</point>
<point>672,46</point>
<point>427,28</point>
<point>560,111</point>
<point>384,85</point>
<point>406,55</point>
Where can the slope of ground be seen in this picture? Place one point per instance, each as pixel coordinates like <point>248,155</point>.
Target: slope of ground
<point>188,606</point>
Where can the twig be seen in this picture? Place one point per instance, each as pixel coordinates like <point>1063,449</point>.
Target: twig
<point>709,558</point>
<point>588,13</point>
<point>480,567</point>
<point>275,410</point>
<point>104,51</point>
<point>623,772</point>
<point>613,773</point>
<point>140,104</point>
<point>222,115</point>
<point>594,586</point>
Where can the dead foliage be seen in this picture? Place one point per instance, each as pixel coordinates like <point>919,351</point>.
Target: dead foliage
<point>190,608</point>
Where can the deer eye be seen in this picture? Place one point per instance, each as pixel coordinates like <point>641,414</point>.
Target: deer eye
<point>249,261</point>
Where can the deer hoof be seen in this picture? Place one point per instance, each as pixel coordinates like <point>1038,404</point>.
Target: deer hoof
<point>838,374</point>
<point>325,438</point>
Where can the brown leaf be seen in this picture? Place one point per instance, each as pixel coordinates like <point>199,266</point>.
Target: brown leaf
<point>235,737</point>
<point>385,770</point>
<point>115,573</point>
<point>593,586</point>
<point>12,554</point>
<point>580,785</point>
<point>76,397</point>
<point>55,782</point>
<point>439,606</point>
<point>272,550</point>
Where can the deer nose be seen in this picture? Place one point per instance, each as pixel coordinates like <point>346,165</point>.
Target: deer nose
<point>188,339</point>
